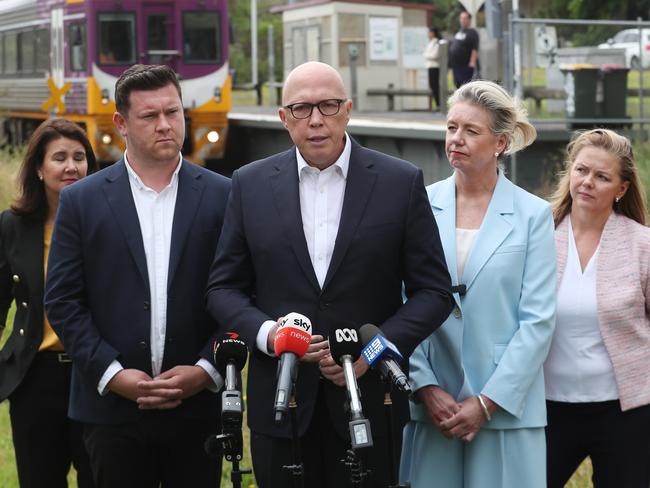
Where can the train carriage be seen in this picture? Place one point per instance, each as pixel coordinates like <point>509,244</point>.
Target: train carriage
<point>62,57</point>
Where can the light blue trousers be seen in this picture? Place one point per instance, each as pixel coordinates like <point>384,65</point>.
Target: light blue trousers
<point>510,458</point>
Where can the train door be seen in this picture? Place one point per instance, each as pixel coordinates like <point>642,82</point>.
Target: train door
<point>159,35</point>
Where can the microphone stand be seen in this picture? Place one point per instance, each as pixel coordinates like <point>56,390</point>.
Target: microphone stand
<point>296,469</point>
<point>230,442</point>
<point>360,433</point>
<point>388,410</point>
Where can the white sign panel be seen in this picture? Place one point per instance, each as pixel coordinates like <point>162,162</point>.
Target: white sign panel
<point>383,38</point>
<point>414,40</point>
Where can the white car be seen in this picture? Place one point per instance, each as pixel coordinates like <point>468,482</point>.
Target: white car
<point>628,39</point>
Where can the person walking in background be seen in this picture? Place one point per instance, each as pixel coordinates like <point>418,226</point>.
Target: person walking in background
<point>432,62</point>
<point>35,371</point>
<point>478,411</point>
<point>463,52</point>
<point>598,370</point>
<point>131,251</point>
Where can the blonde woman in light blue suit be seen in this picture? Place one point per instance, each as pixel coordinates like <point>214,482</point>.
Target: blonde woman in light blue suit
<point>478,412</point>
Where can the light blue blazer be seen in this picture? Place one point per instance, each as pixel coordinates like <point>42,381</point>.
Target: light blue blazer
<point>496,339</point>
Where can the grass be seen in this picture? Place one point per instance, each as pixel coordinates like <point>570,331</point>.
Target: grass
<point>633,103</point>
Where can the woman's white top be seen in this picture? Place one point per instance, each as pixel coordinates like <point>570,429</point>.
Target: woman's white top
<point>464,242</point>
<point>432,54</point>
<point>578,368</point>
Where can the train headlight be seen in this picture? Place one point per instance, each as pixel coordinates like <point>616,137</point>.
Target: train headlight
<point>105,96</point>
<point>106,139</point>
<point>213,136</point>
<point>217,94</point>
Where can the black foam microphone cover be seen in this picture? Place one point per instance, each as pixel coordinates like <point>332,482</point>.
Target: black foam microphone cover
<point>230,347</point>
<point>344,341</point>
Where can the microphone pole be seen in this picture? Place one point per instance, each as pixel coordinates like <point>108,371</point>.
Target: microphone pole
<point>230,355</point>
<point>292,340</point>
<point>377,346</point>
<point>345,349</point>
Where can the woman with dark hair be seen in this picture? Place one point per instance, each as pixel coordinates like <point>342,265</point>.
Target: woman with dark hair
<point>34,368</point>
<point>597,373</point>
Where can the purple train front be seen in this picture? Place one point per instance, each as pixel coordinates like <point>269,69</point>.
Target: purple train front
<point>63,58</point>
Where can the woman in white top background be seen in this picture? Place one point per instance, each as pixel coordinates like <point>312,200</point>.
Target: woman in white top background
<point>432,62</point>
<point>597,373</point>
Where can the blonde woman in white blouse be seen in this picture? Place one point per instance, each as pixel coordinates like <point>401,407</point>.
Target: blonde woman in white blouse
<point>597,373</point>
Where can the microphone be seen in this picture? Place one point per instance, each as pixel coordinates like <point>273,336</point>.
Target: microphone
<point>345,349</point>
<point>379,351</point>
<point>230,355</point>
<point>291,343</point>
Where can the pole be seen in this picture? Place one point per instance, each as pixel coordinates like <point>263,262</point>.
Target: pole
<point>254,74</point>
<point>353,54</point>
<point>269,38</point>
<point>639,19</point>
<point>518,88</point>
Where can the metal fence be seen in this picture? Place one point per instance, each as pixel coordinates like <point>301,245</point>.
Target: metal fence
<point>513,62</point>
<point>513,73</point>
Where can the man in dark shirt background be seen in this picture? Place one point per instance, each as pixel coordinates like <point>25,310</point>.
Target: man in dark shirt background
<point>463,53</point>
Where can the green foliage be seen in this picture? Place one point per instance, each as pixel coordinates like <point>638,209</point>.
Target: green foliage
<point>240,46</point>
<point>9,162</point>
<point>588,9</point>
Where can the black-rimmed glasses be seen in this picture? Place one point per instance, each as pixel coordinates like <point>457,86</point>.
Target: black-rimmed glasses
<point>303,110</point>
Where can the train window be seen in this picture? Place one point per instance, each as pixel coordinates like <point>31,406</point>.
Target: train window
<point>116,38</point>
<point>77,37</point>
<point>201,37</point>
<point>26,52</point>
<point>42,50</point>
<point>2,52</point>
<point>11,53</point>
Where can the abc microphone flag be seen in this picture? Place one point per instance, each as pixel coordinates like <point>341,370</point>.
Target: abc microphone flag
<point>345,348</point>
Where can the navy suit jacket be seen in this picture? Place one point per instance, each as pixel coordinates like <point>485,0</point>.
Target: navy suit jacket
<point>97,290</point>
<point>387,236</point>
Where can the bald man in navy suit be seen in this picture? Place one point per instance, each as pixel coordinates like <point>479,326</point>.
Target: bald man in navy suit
<point>331,230</point>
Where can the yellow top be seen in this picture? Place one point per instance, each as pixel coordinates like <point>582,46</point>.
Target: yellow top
<point>50,339</point>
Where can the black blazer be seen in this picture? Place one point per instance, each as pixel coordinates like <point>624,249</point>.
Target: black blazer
<point>97,290</point>
<point>21,279</point>
<point>387,236</point>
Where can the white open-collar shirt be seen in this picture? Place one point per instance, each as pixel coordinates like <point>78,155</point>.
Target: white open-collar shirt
<point>321,203</point>
<point>156,217</point>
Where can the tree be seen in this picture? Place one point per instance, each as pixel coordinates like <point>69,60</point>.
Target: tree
<point>588,9</point>
<point>240,46</point>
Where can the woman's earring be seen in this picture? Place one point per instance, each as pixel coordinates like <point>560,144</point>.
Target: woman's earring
<point>618,199</point>
<point>496,154</point>
<point>40,177</point>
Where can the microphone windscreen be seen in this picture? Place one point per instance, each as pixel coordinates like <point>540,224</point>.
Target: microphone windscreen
<point>344,341</point>
<point>293,335</point>
<point>368,333</point>
<point>376,346</point>
<point>230,347</point>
